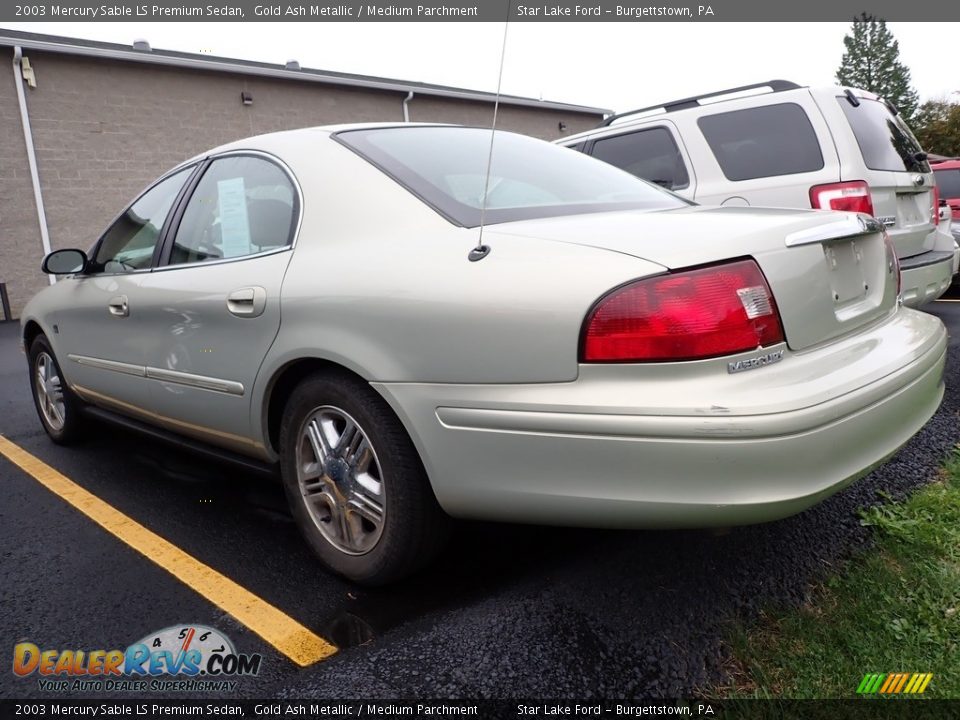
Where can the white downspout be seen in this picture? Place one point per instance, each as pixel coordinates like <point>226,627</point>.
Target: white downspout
<point>31,155</point>
<point>406,110</point>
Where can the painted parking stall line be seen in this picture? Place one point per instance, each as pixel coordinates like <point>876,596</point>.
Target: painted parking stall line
<point>298,643</point>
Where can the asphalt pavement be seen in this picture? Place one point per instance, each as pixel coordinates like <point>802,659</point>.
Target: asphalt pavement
<point>508,611</point>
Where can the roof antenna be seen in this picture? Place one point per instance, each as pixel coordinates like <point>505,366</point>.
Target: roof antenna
<point>481,250</point>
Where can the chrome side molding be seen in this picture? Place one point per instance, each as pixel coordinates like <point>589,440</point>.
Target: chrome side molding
<point>204,382</point>
<point>112,365</point>
<point>230,387</point>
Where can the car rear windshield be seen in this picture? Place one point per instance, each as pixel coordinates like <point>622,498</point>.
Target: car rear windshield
<point>949,182</point>
<point>885,141</point>
<point>761,142</point>
<point>446,167</point>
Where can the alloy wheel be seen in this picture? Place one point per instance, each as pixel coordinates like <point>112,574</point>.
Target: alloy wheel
<point>49,391</point>
<point>340,480</point>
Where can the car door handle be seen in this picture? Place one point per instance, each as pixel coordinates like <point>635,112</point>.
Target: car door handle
<point>247,302</point>
<point>118,306</point>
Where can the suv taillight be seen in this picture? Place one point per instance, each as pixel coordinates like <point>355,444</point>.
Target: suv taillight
<point>687,315</point>
<point>853,196</point>
<point>936,205</point>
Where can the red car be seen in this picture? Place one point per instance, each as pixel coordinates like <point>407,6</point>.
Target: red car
<point>947,174</point>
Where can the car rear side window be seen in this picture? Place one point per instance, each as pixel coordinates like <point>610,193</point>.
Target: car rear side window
<point>949,182</point>
<point>649,154</point>
<point>763,142</point>
<point>885,141</point>
<point>243,205</point>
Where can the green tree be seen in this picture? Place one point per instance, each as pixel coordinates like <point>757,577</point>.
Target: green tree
<point>872,62</point>
<point>937,127</point>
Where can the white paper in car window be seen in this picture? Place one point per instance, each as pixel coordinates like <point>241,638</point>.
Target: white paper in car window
<point>234,225</point>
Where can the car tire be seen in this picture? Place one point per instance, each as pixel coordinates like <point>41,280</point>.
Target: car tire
<point>57,406</point>
<point>355,483</point>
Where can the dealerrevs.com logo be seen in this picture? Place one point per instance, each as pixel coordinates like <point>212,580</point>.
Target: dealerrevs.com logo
<point>178,658</point>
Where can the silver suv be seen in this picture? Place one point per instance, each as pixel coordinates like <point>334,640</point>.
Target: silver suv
<point>779,144</point>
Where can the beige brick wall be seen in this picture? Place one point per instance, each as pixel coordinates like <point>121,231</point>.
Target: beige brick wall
<point>20,249</point>
<point>541,123</point>
<point>103,129</point>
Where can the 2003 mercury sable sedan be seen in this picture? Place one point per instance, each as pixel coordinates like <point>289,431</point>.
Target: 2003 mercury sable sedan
<point>611,355</point>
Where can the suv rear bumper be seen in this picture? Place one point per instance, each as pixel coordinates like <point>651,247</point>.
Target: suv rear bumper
<point>926,277</point>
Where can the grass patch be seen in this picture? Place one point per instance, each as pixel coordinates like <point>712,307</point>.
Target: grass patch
<point>895,608</point>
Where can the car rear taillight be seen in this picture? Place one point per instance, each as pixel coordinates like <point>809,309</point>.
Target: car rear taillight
<point>853,196</point>
<point>893,262</point>
<point>936,206</point>
<point>687,315</point>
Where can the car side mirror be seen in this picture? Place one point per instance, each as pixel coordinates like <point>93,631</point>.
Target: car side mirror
<point>64,262</point>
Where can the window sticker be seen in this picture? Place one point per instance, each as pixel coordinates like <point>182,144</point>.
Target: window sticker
<point>234,224</point>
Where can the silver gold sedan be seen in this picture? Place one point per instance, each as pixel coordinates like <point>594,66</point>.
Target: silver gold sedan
<point>411,338</point>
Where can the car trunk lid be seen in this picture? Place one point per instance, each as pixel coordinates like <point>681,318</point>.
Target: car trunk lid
<point>829,272</point>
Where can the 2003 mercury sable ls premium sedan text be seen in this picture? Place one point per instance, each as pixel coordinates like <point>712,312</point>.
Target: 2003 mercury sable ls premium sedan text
<point>612,356</point>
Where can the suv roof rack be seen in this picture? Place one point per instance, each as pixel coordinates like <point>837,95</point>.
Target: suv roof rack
<point>690,102</point>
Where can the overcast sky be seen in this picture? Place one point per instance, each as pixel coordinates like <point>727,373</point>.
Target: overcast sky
<point>609,65</point>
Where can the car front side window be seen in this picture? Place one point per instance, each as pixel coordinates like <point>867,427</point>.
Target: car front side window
<point>129,243</point>
<point>243,205</point>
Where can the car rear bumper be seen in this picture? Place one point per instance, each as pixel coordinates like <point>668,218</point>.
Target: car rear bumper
<point>926,277</point>
<point>593,452</point>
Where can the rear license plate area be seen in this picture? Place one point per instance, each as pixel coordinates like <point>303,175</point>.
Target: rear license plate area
<point>913,209</point>
<point>848,279</point>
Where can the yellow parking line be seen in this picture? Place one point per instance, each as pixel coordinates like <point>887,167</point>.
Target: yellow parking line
<point>280,630</point>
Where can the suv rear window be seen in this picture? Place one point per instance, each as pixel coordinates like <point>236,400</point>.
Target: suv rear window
<point>649,154</point>
<point>885,141</point>
<point>949,182</point>
<point>763,142</point>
